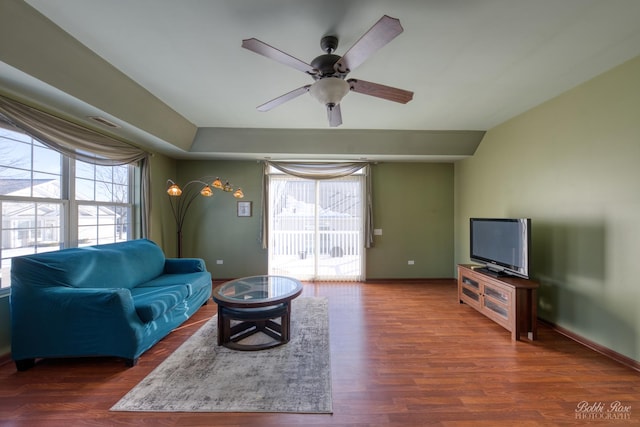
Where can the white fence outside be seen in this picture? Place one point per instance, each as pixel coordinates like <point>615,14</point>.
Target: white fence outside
<point>339,254</point>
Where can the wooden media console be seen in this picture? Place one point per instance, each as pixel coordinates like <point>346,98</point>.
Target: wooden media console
<point>509,301</point>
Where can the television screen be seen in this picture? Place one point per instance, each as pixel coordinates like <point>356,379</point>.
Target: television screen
<point>502,244</point>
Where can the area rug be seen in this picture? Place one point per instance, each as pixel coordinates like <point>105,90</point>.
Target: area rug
<point>200,376</point>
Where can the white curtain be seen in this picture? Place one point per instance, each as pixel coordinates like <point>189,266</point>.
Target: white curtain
<point>80,143</point>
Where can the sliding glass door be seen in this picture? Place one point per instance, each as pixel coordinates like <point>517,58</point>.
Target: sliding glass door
<point>316,227</point>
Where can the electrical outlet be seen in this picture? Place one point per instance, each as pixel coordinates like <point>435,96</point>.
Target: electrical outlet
<point>219,261</point>
<point>411,262</point>
<point>377,231</point>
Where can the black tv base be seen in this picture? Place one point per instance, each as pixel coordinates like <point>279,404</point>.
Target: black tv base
<point>490,272</point>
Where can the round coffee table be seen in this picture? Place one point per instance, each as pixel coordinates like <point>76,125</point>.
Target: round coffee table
<point>252,304</point>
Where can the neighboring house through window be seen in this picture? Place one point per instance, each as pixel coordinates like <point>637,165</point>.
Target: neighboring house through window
<point>50,202</point>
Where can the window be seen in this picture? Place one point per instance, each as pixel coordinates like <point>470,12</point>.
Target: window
<point>49,201</point>
<point>316,227</point>
<point>102,203</point>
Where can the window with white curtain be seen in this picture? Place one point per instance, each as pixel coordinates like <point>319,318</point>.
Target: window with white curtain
<point>49,201</point>
<point>316,227</point>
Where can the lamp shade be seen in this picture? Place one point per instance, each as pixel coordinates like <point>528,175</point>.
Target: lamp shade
<point>206,191</point>
<point>329,90</point>
<point>174,190</point>
<point>217,184</point>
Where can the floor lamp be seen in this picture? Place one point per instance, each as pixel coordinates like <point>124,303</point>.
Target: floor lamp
<point>182,198</point>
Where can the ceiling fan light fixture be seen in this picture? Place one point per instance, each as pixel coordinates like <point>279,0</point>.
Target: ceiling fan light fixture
<point>329,90</point>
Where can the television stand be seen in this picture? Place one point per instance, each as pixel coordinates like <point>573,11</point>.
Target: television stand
<point>509,301</point>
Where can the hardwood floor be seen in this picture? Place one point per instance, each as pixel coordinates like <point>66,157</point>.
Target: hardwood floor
<point>403,354</point>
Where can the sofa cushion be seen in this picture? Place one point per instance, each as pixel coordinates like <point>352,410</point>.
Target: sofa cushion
<point>183,265</point>
<point>114,265</point>
<point>194,281</point>
<point>151,302</point>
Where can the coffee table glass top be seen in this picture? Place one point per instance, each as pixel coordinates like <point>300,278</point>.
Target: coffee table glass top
<point>257,290</point>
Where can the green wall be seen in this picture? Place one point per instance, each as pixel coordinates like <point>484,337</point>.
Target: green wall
<point>571,164</point>
<point>413,205</point>
<point>212,229</point>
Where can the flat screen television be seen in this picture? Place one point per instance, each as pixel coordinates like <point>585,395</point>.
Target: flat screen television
<point>502,245</point>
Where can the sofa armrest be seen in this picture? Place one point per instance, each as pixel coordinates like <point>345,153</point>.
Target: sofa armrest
<point>184,265</point>
<point>60,321</point>
<point>94,305</point>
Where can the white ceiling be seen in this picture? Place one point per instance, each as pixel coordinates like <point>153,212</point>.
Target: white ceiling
<point>472,64</point>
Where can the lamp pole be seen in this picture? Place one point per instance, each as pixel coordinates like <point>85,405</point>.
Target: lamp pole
<point>181,199</point>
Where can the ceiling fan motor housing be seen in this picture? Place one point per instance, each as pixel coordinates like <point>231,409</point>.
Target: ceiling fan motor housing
<point>324,65</point>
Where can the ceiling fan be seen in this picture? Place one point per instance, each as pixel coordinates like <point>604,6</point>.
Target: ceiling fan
<point>330,71</point>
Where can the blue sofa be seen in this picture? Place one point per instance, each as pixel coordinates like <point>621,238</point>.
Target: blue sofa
<point>116,299</point>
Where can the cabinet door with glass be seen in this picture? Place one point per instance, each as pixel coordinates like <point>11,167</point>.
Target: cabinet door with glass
<point>496,302</point>
<point>470,291</point>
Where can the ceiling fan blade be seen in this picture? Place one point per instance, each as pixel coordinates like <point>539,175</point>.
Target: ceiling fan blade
<point>271,52</point>
<point>381,91</point>
<point>382,32</point>
<point>335,116</point>
<point>283,98</point>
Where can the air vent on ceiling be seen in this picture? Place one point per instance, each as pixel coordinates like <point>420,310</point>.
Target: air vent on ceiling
<point>104,121</point>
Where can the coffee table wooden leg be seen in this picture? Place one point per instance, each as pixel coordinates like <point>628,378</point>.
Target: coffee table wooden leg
<point>285,323</point>
<point>224,328</point>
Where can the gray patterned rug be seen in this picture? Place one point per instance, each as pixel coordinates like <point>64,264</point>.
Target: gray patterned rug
<point>202,377</point>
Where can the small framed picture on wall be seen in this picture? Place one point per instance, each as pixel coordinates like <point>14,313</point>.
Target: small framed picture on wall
<point>244,208</point>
